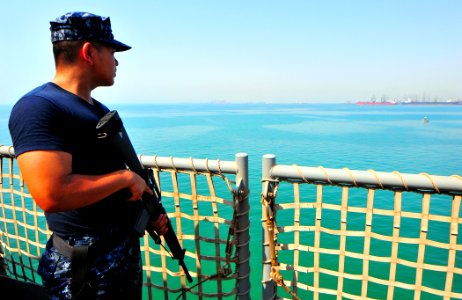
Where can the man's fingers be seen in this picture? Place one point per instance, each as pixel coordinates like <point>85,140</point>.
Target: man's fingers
<point>160,224</point>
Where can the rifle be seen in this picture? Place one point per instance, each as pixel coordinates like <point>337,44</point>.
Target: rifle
<point>111,126</point>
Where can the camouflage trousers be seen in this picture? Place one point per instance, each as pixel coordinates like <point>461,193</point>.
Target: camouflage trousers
<point>115,274</point>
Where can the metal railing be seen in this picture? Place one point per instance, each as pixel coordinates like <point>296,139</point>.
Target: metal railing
<point>326,232</point>
<point>239,223</point>
<point>387,235</point>
<point>209,211</point>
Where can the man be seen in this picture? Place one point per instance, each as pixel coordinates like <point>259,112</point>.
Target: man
<point>89,197</point>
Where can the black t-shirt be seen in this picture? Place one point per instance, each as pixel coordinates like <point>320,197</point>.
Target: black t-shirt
<point>51,118</point>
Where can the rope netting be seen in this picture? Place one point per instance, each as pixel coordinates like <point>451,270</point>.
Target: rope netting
<point>362,242</point>
<point>23,230</point>
<point>201,205</point>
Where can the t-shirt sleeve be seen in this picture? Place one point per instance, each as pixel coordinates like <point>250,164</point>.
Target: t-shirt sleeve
<point>36,124</point>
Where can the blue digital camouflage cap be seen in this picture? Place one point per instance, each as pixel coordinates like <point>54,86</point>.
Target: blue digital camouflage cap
<point>75,26</point>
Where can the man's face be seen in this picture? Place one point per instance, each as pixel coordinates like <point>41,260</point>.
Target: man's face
<point>105,65</point>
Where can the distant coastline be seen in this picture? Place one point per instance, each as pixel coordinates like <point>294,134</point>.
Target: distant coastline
<point>449,102</point>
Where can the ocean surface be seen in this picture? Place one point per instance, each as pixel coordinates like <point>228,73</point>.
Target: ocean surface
<point>382,138</point>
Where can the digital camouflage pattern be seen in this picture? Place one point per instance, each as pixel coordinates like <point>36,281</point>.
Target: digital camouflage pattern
<point>74,26</point>
<point>115,275</point>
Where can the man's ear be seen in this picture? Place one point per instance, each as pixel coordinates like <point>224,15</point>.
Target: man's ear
<point>87,52</point>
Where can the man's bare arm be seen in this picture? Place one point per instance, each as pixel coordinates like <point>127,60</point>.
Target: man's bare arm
<point>49,178</point>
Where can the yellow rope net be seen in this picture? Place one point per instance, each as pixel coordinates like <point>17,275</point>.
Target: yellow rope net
<point>364,243</point>
<point>23,230</point>
<point>203,224</point>
<point>201,206</point>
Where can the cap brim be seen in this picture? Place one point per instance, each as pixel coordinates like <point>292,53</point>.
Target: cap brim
<point>118,46</point>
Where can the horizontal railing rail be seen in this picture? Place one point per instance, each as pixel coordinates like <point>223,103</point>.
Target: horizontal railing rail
<point>6,151</point>
<point>190,164</point>
<point>370,179</point>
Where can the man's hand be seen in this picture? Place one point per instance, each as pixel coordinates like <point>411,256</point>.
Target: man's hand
<point>160,224</point>
<point>137,186</point>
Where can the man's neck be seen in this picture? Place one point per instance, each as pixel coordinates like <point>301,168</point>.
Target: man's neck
<point>73,83</point>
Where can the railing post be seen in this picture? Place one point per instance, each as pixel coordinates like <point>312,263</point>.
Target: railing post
<point>269,286</point>
<point>243,221</point>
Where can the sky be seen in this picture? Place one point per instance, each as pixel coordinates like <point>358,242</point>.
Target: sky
<point>251,51</point>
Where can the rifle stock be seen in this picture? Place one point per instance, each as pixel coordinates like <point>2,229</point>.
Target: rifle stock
<point>111,127</point>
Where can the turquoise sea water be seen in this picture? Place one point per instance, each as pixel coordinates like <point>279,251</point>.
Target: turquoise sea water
<point>383,138</point>
<point>332,135</point>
